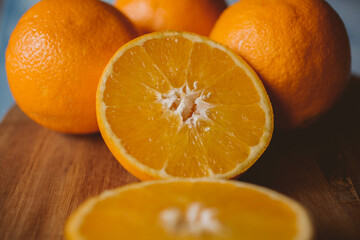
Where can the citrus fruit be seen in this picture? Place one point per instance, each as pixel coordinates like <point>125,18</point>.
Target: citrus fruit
<point>300,50</point>
<point>189,209</point>
<point>55,58</point>
<point>175,104</point>
<point>186,15</point>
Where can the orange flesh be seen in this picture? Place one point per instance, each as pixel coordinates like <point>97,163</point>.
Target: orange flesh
<point>226,119</point>
<point>243,213</point>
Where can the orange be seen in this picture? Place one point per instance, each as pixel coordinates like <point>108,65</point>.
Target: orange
<point>55,58</point>
<point>190,209</point>
<point>300,49</point>
<point>197,16</point>
<point>175,104</point>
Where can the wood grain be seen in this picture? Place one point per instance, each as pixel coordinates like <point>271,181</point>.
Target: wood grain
<point>45,175</point>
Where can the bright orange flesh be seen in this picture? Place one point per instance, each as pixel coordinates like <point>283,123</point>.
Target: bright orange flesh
<point>179,105</point>
<point>199,209</point>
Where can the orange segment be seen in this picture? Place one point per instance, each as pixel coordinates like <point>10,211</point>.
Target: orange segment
<point>190,209</point>
<point>175,104</point>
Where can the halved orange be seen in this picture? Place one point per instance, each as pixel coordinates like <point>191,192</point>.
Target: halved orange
<point>190,209</point>
<point>176,104</point>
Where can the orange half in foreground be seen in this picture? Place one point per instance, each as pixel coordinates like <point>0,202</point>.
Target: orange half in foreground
<point>190,209</point>
<point>175,104</point>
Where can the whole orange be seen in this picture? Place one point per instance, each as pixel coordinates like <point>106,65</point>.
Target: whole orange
<point>196,16</point>
<point>55,58</point>
<point>300,49</point>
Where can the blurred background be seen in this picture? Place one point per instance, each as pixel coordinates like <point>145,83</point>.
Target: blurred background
<point>12,10</point>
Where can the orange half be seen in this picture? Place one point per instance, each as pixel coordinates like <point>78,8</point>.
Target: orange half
<point>189,210</point>
<point>176,104</point>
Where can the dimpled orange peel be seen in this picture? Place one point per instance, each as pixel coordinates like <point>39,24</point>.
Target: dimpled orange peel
<point>300,50</point>
<point>55,57</point>
<point>185,15</point>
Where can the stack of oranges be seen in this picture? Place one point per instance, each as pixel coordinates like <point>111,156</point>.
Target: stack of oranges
<point>175,104</point>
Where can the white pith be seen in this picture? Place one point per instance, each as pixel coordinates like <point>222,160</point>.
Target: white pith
<point>187,103</point>
<point>196,220</point>
<point>263,103</point>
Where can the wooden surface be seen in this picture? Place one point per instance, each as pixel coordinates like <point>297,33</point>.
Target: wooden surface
<point>45,175</point>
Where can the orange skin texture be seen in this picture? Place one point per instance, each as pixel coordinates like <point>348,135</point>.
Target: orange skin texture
<point>55,57</point>
<point>198,16</point>
<point>300,49</point>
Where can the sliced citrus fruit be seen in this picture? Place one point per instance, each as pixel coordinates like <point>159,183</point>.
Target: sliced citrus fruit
<point>190,209</point>
<point>175,104</point>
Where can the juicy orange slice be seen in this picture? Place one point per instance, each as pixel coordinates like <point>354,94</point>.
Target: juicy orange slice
<point>175,104</point>
<point>190,209</point>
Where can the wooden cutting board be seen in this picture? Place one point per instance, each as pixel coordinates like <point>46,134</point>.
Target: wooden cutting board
<point>45,175</point>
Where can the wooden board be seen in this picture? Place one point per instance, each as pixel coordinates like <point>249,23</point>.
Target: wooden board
<point>45,175</point>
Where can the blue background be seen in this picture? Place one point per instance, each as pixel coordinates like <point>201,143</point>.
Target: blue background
<point>12,10</point>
